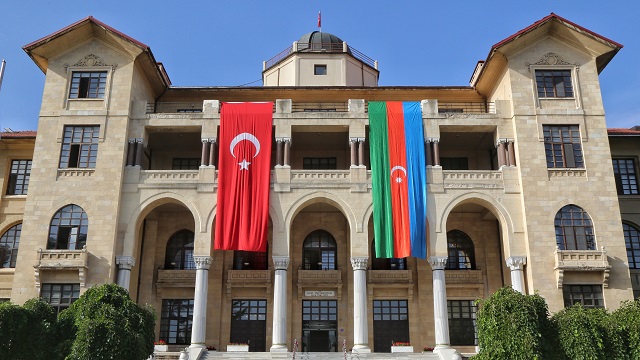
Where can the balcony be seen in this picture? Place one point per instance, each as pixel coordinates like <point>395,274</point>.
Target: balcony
<point>381,280</point>
<point>175,279</point>
<point>174,107</point>
<point>581,261</point>
<point>52,260</point>
<point>186,178</point>
<point>319,279</point>
<point>249,278</point>
<point>472,179</point>
<point>464,277</point>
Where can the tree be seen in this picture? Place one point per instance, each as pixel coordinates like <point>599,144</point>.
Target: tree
<point>104,323</point>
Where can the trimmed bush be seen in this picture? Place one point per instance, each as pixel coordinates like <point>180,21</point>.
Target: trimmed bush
<point>627,321</point>
<point>513,326</point>
<point>27,332</point>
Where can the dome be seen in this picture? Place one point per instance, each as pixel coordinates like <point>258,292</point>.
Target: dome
<point>320,41</point>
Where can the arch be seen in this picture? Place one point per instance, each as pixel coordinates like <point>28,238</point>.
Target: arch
<point>632,241</point>
<point>368,213</point>
<point>68,228</point>
<point>461,251</point>
<point>319,251</point>
<point>496,208</point>
<point>276,218</point>
<point>9,244</point>
<point>179,252</point>
<point>574,229</point>
<point>319,197</point>
<point>385,263</point>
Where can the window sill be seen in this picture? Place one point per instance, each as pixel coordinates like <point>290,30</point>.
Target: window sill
<point>76,172</point>
<point>16,197</point>
<point>567,172</point>
<point>85,99</point>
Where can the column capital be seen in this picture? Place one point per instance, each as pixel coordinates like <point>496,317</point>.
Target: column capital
<point>203,262</point>
<point>501,141</point>
<point>516,262</point>
<point>283,139</point>
<point>281,262</point>
<point>359,262</point>
<point>213,140</point>
<point>125,261</point>
<point>205,140</point>
<point>433,140</point>
<point>438,262</point>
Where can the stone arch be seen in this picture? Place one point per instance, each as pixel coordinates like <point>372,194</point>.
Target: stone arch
<point>9,221</point>
<point>276,219</point>
<point>319,197</point>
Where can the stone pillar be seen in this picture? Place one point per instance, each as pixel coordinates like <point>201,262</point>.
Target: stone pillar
<point>361,151</point>
<point>125,263</point>
<point>360,323</point>
<point>502,161</point>
<point>131,152</point>
<point>352,147</point>
<point>516,264</point>
<point>139,152</point>
<point>204,156</point>
<point>279,159</point>
<point>287,152</point>
<point>512,154</point>
<point>427,152</point>
<point>199,326</point>
<point>440,301</point>
<point>212,152</point>
<point>436,152</point>
<point>279,337</point>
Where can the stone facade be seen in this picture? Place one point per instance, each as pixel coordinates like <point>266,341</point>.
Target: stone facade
<point>155,180</point>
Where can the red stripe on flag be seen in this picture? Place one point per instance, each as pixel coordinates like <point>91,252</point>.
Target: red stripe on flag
<point>399,180</point>
<point>242,212</point>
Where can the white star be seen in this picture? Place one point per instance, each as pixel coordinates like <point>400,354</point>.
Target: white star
<point>244,165</point>
<point>398,180</point>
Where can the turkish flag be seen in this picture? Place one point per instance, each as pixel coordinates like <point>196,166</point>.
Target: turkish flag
<point>244,173</point>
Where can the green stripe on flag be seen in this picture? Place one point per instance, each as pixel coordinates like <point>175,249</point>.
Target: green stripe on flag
<point>380,175</point>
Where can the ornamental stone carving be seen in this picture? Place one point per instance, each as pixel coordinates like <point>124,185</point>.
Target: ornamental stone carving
<point>202,262</point>
<point>359,263</point>
<point>281,262</point>
<point>516,262</point>
<point>551,59</point>
<point>125,262</point>
<point>93,60</point>
<point>438,262</point>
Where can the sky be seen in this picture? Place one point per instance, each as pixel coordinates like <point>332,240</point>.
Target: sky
<point>224,42</point>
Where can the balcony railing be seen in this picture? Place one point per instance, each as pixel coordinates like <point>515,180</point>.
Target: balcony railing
<point>581,260</point>
<point>467,107</point>
<point>319,279</point>
<point>319,107</point>
<point>174,107</point>
<point>470,179</point>
<point>248,278</point>
<point>463,277</point>
<point>161,177</point>
<point>319,47</point>
<point>62,260</point>
<point>324,176</point>
<point>389,277</point>
<point>175,279</point>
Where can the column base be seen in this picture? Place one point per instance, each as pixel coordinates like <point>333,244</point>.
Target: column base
<point>278,348</point>
<point>195,350</point>
<point>361,349</point>
<point>447,353</point>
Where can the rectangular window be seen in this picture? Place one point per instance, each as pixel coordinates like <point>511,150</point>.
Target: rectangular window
<point>88,84</point>
<point>19,177</point>
<point>249,323</point>
<point>79,147</point>
<point>458,163</point>
<point>589,296</point>
<point>176,321</point>
<point>390,323</point>
<point>60,296</point>
<point>317,163</point>
<point>319,69</point>
<point>462,322</point>
<point>554,83</point>
<point>562,146</point>
<point>626,179</point>
<point>185,164</point>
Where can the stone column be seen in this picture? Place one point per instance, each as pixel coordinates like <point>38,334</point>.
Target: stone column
<point>360,323</point>
<point>436,152</point>
<point>352,147</point>
<point>279,155</point>
<point>512,154</point>
<point>204,156</point>
<point>279,337</point>
<point>199,326</point>
<point>131,152</point>
<point>212,152</point>
<point>125,263</point>
<point>361,151</point>
<point>427,152</point>
<point>516,264</point>
<point>287,152</point>
<point>139,152</point>
<point>501,154</point>
<point>440,301</point>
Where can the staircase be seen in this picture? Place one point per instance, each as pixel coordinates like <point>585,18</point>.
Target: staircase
<point>213,355</point>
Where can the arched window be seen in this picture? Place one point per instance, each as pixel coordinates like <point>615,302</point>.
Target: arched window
<point>9,246</point>
<point>250,260</point>
<point>180,251</point>
<point>386,263</point>
<point>68,229</point>
<point>632,239</point>
<point>319,251</point>
<point>574,230</point>
<point>461,253</point>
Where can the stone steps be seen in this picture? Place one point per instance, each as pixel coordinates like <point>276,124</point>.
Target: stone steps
<point>213,355</point>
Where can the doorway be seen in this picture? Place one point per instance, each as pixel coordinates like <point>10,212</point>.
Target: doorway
<point>319,326</point>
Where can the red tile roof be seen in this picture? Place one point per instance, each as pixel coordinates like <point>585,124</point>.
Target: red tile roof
<point>26,134</point>
<point>623,131</point>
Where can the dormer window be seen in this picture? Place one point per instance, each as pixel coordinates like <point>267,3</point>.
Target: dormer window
<point>319,69</point>
<point>88,85</point>
<point>554,83</point>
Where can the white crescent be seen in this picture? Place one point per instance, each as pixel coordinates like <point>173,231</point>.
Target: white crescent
<point>399,168</point>
<point>248,137</point>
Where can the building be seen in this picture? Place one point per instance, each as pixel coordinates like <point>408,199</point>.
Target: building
<point>123,189</point>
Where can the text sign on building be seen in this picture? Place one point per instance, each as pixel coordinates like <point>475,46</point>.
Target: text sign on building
<point>320,293</point>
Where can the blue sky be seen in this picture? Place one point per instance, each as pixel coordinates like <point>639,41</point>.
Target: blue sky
<point>223,43</point>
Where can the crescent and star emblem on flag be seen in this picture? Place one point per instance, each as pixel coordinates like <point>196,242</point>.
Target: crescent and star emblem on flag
<point>398,179</point>
<point>244,164</point>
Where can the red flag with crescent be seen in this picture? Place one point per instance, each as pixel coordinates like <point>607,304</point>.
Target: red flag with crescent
<point>244,170</point>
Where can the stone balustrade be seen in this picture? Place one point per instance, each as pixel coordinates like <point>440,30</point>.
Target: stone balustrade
<point>248,278</point>
<point>581,261</point>
<point>63,259</point>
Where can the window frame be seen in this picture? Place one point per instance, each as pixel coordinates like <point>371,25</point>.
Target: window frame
<point>467,248</point>
<point>553,89</point>
<point>310,252</point>
<point>320,69</point>
<point>559,224</point>
<point>11,237</point>
<point>73,288</point>
<point>567,289</point>
<point>185,250</point>
<point>250,260</point>
<point>83,90</point>
<point>454,325</point>
<point>71,150</point>
<point>632,177</point>
<point>576,161</point>
<point>66,222</point>
<point>184,323</point>
<point>632,244</point>
<point>19,178</point>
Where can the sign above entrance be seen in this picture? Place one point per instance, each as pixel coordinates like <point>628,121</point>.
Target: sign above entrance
<point>320,293</point>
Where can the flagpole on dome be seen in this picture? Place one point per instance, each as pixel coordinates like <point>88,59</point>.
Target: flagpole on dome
<point>320,21</point>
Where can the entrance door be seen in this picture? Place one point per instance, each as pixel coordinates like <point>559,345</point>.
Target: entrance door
<point>319,326</point>
<point>249,323</point>
<point>390,323</point>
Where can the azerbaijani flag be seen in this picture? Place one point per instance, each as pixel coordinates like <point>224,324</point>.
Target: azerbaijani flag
<point>398,179</point>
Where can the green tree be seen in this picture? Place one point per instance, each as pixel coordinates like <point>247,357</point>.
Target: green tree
<point>627,322</point>
<point>104,323</point>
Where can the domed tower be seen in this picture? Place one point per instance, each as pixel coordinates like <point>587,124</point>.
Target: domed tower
<point>320,59</point>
